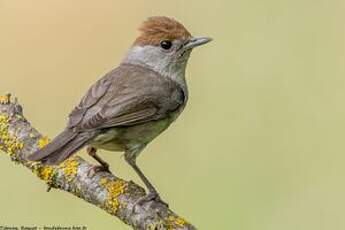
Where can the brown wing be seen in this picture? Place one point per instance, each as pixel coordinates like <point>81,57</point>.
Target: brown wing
<point>92,96</point>
<point>135,95</point>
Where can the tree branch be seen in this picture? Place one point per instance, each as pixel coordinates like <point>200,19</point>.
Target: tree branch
<point>112,194</point>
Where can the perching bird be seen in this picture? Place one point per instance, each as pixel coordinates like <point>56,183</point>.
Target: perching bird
<point>131,105</point>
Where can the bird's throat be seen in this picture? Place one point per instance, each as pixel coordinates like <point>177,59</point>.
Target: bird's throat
<point>148,57</point>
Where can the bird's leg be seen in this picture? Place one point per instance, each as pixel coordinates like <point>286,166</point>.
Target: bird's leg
<point>152,192</point>
<point>104,166</point>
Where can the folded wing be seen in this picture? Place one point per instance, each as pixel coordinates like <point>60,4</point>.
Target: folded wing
<point>127,96</point>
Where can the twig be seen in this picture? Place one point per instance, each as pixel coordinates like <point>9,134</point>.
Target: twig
<point>114,195</point>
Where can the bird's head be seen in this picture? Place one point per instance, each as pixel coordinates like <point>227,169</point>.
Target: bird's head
<point>163,45</point>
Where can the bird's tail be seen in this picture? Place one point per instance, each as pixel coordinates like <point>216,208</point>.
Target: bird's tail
<point>62,147</point>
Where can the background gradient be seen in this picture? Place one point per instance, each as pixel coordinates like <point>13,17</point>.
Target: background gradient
<point>260,145</point>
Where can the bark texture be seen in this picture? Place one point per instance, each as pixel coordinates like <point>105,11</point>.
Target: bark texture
<point>112,194</point>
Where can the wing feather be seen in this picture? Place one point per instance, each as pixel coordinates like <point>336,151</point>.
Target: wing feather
<point>92,96</point>
<point>129,96</point>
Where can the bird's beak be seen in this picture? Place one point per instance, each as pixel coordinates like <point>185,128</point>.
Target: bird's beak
<point>197,41</point>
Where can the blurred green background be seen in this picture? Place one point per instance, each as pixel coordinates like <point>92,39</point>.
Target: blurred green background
<point>260,145</point>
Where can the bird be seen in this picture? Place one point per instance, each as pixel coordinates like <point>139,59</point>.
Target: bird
<point>133,103</point>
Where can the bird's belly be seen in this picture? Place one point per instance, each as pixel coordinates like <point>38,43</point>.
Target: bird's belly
<point>121,138</point>
<point>108,140</point>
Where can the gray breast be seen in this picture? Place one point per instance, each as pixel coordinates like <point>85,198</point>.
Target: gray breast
<point>121,138</point>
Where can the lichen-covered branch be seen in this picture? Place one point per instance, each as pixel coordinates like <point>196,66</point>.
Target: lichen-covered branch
<point>114,195</point>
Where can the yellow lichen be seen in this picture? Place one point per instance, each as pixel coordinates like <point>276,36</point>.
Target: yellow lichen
<point>156,225</point>
<point>103,181</point>
<point>180,221</point>
<point>70,168</point>
<point>8,142</point>
<point>175,220</point>
<point>47,173</point>
<point>5,99</point>
<point>43,142</point>
<point>115,189</point>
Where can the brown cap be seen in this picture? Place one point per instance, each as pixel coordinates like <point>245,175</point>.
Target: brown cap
<point>158,28</point>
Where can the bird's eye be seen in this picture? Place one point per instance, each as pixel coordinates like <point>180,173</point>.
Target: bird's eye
<point>166,44</point>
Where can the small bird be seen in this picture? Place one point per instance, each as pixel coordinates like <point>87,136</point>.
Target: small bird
<point>132,104</point>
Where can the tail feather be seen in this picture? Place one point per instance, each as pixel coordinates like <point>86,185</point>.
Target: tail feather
<point>59,141</point>
<point>61,147</point>
<point>67,150</point>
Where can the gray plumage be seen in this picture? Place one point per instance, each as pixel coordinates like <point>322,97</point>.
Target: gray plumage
<point>132,102</point>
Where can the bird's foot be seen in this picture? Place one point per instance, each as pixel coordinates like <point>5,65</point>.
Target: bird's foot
<point>151,196</point>
<point>98,168</point>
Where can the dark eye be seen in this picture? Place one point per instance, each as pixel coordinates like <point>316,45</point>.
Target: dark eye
<point>165,44</point>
